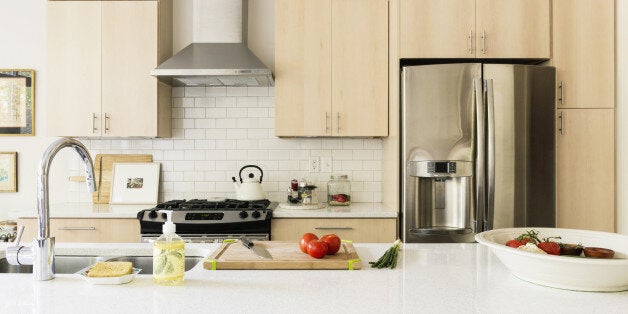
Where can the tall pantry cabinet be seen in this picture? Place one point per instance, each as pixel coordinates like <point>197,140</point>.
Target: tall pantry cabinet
<point>584,57</point>
<point>99,57</point>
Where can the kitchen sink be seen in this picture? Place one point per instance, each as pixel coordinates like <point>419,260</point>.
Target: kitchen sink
<point>69,264</point>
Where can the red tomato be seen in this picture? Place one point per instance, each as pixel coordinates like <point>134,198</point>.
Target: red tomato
<point>517,243</point>
<point>549,247</point>
<point>317,248</point>
<point>333,243</point>
<point>305,239</point>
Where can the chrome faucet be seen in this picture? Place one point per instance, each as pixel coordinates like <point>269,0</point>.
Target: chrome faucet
<point>41,254</point>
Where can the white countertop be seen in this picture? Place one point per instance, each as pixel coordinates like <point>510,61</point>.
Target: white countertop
<point>84,210</point>
<point>355,210</point>
<point>89,210</point>
<point>430,278</point>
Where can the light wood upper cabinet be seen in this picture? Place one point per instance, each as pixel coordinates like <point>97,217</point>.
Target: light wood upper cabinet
<point>115,95</point>
<point>437,28</point>
<point>475,29</point>
<point>586,169</point>
<point>331,68</point>
<point>302,67</point>
<point>73,82</point>
<point>360,68</point>
<point>513,28</point>
<point>584,53</point>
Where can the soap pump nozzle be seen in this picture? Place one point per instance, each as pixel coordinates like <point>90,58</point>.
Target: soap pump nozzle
<point>169,227</point>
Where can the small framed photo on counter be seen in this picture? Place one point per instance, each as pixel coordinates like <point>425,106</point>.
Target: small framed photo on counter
<point>135,183</point>
<point>17,102</point>
<point>8,171</point>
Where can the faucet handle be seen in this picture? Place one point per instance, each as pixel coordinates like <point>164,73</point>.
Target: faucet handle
<point>18,237</point>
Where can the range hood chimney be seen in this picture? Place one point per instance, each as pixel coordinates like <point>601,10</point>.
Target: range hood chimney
<point>214,63</point>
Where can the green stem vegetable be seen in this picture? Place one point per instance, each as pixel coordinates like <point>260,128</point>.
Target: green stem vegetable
<point>389,259</point>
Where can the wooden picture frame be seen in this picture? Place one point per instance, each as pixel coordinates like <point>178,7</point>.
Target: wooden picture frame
<point>17,102</point>
<point>135,183</point>
<point>8,171</point>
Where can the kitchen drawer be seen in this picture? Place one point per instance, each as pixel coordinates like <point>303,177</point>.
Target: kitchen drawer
<point>355,229</point>
<point>119,230</point>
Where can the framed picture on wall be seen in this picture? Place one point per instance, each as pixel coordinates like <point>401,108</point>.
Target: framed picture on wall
<point>17,102</point>
<point>8,171</point>
<point>135,183</point>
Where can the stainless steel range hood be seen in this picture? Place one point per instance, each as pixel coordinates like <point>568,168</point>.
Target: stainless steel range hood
<point>216,64</point>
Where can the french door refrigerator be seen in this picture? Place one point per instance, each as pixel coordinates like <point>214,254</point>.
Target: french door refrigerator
<point>477,149</point>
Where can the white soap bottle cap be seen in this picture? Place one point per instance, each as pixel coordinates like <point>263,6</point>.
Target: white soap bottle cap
<point>169,227</point>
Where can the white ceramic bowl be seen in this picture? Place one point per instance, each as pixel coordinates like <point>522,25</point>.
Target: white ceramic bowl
<point>564,272</point>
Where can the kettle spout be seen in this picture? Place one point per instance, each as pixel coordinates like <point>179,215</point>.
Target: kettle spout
<point>236,184</point>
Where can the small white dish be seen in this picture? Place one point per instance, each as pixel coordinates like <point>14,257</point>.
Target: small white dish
<point>108,280</point>
<point>564,272</point>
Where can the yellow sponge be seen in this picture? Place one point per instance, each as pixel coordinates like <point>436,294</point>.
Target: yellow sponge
<point>110,269</point>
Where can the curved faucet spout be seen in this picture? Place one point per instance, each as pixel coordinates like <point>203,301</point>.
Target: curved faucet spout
<point>43,212</point>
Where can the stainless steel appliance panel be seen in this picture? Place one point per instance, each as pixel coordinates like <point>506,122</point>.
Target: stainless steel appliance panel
<point>521,186</point>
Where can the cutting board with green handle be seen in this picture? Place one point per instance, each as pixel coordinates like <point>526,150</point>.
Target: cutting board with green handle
<point>286,255</point>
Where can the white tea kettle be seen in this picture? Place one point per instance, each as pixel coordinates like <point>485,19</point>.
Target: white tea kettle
<point>249,189</point>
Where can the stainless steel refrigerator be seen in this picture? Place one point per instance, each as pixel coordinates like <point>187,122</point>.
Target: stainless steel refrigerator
<point>477,149</point>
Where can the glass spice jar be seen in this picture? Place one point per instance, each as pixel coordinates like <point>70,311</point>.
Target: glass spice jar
<point>339,190</point>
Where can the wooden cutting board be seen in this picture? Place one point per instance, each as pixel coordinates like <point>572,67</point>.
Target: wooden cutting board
<point>286,255</point>
<point>103,168</point>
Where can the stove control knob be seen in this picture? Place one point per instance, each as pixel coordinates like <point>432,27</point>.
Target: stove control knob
<point>256,214</point>
<point>164,216</point>
<point>243,214</point>
<point>152,214</point>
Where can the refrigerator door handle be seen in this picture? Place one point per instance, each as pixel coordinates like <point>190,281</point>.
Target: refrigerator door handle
<point>490,158</point>
<point>480,161</point>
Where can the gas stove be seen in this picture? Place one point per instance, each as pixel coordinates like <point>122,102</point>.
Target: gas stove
<point>201,220</point>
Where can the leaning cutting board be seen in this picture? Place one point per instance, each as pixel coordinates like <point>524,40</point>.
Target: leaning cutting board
<point>286,255</point>
<point>103,168</point>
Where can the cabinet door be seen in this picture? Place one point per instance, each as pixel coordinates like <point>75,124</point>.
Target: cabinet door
<point>73,68</point>
<point>119,230</point>
<point>437,29</point>
<point>129,53</point>
<point>513,28</point>
<point>356,230</point>
<point>303,67</point>
<point>586,169</point>
<point>360,67</point>
<point>584,53</point>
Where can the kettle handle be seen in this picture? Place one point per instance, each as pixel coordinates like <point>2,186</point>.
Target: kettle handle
<point>252,166</point>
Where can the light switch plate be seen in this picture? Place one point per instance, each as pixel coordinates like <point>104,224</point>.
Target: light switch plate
<point>315,164</point>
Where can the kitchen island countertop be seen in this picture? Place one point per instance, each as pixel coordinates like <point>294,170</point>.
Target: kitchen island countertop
<point>430,278</point>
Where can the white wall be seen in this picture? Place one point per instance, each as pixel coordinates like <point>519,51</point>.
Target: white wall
<point>622,116</point>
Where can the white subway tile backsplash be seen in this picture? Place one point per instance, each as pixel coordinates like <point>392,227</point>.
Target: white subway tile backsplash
<point>237,91</point>
<point>215,91</point>
<point>217,130</point>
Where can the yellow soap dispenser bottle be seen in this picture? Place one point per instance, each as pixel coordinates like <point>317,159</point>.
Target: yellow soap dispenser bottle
<point>168,256</point>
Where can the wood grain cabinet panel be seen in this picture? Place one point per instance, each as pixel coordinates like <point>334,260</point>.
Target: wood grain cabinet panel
<point>584,53</point>
<point>331,68</point>
<point>100,54</point>
<point>495,29</point>
<point>586,169</point>
<point>354,229</point>
<point>117,230</point>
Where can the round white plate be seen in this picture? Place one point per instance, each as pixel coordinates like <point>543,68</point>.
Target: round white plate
<point>564,272</point>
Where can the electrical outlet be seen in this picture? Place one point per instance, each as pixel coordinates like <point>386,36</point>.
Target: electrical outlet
<point>315,164</point>
<point>326,164</point>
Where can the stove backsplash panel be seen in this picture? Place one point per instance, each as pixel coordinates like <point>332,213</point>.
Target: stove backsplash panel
<point>217,130</point>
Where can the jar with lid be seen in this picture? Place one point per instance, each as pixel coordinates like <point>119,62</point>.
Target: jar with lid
<point>339,190</point>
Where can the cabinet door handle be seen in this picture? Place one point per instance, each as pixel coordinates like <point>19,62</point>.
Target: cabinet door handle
<point>327,122</point>
<point>78,228</point>
<point>94,128</point>
<point>561,95</point>
<point>483,42</point>
<point>470,41</point>
<point>107,117</point>
<point>561,126</point>
<point>338,122</point>
<point>333,228</point>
